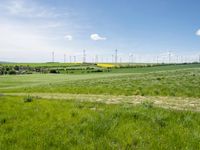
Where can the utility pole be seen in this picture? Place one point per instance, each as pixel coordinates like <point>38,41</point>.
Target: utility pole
<point>116,55</point>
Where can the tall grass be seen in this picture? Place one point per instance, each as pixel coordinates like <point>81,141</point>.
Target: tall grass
<point>47,124</point>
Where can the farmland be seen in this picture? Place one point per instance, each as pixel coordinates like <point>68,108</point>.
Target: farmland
<point>139,106</point>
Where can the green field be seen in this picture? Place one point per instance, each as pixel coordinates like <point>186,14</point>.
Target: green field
<point>127,108</point>
<point>50,64</point>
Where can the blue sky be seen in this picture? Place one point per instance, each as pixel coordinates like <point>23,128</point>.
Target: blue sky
<point>31,29</point>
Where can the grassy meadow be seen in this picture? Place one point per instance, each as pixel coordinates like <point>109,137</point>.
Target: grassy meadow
<point>153,107</point>
<point>181,81</point>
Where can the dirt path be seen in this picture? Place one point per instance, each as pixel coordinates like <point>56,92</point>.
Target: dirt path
<point>178,103</point>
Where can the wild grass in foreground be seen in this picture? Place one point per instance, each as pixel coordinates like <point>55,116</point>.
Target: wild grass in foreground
<point>59,124</point>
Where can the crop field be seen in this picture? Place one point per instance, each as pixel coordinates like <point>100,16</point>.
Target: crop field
<point>146,107</point>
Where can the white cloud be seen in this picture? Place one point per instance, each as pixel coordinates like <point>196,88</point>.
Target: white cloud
<point>68,37</point>
<point>96,37</point>
<point>14,37</point>
<point>198,32</point>
<point>42,33</point>
<point>17,7</point>
<point>49,25</point>
<point>29,9</point>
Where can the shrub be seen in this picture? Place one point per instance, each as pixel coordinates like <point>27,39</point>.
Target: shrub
<point>156,92</point>
<point>137,92</point>
<point>147,104</point>
<point>74,113</point>
<point>28,99</point>
<point>160,120</point>
<point>1,72</point>
<point>2,121</point>
<point>11,72</point>
<point>158,78</point>
<point>16,68</point>
<point>99,70</point>
<point>54,71</point>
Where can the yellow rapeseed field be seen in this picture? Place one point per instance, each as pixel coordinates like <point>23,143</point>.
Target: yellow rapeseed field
<point>106,65</point>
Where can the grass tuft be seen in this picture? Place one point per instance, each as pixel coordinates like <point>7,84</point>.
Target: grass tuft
<point>147,104</point>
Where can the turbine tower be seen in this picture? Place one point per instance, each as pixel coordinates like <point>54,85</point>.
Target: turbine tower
<point>169,56</point>
<point>131,58</point>
<point>199,58</point>
<point>53,56</point>
<point>70,59</point>
<point>64,58</point>
<point>96,59</point>
<point>116,55</point>
<point>157,59</point>
<point>84,56</point>
<point>112,58</point>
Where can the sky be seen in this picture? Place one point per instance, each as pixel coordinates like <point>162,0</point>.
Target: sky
<point>30,30</point>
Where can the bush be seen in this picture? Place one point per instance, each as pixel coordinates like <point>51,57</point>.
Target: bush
<point>2,121</point>
<point>147,104</point>
<point>160,120</point>
<point>16,68</point>
<point>74,113</point>
<point>98,70</point>
<point>28,99</point>
<point>158,78</point>
<point>137,92</point>
<point>11,72</point>
<point>54,71</point>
